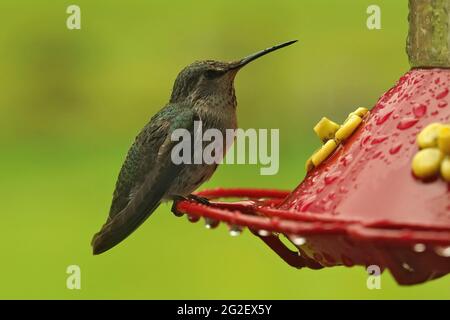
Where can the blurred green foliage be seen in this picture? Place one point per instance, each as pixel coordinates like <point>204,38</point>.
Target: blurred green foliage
<point>72,102</point>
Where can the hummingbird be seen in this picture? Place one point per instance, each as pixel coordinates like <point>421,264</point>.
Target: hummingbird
<point>203,91</point>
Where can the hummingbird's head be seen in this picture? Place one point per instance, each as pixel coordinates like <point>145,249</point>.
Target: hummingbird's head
<point>210,80</point>
<point>203,80</point>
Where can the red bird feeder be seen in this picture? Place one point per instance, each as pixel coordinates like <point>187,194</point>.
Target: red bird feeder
<point>363,205</point>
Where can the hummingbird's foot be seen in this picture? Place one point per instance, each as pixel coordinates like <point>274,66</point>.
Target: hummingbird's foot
<point>174,210</point>
<point>199,199</point>
<point>191,197</point>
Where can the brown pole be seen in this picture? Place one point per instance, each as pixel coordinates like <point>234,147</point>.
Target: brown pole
<point>428,43</point>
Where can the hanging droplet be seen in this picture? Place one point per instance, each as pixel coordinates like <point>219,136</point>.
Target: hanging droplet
<point>407,267</point>
<point>443,251</point>
<point>177,213</point>
<point>297,240</point>
<point>235,231</point>
<point>193,218</point>
<point>419,247</point>
<point>264,233</point>
<point>211,223</point>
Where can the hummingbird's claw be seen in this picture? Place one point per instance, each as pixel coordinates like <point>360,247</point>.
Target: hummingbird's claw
<point>191,197</point>
<point>174,209</point>
<point>201,200</point>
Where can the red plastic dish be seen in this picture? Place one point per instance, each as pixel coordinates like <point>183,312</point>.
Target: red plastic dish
<point>361,206</point>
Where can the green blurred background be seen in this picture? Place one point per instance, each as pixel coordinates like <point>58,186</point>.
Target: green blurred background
<point>72,102</point>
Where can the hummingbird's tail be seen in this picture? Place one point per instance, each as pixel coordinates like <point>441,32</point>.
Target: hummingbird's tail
<point>120,227</point>
<point>150,193</point>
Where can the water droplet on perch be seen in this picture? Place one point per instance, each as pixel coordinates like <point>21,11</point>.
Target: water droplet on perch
<point>211,223</point>
<point>193,218</point>
<point>235,231</point>
<point>407,267</point>
<point>297,240</point>
<point>442,251</point>
<point>419,247</point>
<point>264,233</point>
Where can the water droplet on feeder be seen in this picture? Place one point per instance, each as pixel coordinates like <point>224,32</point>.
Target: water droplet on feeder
<point>378,140</point>
<point>419,247</point>
<point>320,189</point>
<point>365,140</point>
<point>297,240</point>
<point>420,110</point>
<point>407,267</point>
<point>263,233</point>
<point>307,203</point>
<point>193,218</point>
<point>395,149</point>
<point>331,177</point>
<point>211,223</point>
<point>235,231</point>
<point>442,94</point>
<point>443,251</point>
<point>406,123</point>
<point>177,213</point>
<point>442,104</point>
<point>377,155</point>
<point>383,118</point>
<point>343,189</point>
<point>346,160</point>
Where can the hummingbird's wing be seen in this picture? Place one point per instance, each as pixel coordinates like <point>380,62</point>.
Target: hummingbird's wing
<point>141,158</point>
<point>153,183</point>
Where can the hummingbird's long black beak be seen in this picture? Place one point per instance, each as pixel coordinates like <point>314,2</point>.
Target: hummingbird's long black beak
<point>250,58</point>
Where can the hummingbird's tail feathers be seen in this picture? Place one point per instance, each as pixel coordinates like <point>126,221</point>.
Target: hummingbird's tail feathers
<point>120,227</point>
<point>141,206</point>
<point>150,193</point>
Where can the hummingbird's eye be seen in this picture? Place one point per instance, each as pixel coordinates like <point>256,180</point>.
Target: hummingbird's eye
<point>211,74</point>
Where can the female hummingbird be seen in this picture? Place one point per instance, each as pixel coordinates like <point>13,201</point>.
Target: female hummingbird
<point>203,91</point>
